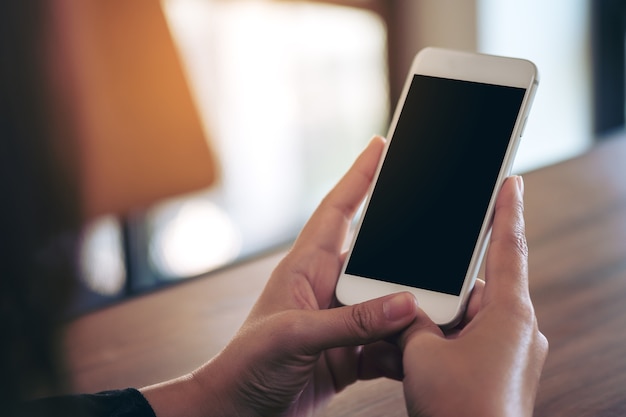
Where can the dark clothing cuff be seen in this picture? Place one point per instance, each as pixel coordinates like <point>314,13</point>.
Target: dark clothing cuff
<point>119,403</point>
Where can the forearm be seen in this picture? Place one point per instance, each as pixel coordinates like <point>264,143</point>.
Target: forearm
<point>191,395</point>
<point>177,397</point>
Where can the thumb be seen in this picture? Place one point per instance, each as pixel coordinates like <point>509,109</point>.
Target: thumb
<point>362,323</point>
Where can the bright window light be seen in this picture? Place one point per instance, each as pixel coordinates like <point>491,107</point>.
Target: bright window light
<point>101,258</point>
<point>289,92</point>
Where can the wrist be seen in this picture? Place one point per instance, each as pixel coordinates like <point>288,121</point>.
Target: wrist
<point>201,393</point>
<point>215,390</point>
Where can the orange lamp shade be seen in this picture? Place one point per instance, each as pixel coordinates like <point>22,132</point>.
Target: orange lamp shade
<point>138,133</point>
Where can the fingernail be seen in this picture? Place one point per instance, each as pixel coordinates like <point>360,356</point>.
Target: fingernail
<point>399,306</point>
<point>520,184</point>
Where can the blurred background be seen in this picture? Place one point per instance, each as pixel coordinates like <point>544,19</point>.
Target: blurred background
<point>290,92</point>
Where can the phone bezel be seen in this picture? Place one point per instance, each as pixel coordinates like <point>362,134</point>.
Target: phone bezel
<point>445,309</point>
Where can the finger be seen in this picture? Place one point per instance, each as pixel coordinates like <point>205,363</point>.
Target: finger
<point>475,301</point>
<point>473,307</point>
<point>327,226</point>
<point>371,361</point>
<point>507,259</point>
<point>381,359</point>
<point>422,325</point>
<point>357,324</point>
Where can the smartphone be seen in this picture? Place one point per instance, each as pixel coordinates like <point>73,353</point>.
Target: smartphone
<point>451,144</point>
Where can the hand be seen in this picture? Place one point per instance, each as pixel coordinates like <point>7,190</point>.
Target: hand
<point>491,366</point>
<point>295,350</point>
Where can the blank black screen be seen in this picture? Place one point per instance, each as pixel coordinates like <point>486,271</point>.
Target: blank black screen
<point>427,208</point>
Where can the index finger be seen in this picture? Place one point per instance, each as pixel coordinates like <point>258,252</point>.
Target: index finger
<point>327,226</point>
<point>506,269</point>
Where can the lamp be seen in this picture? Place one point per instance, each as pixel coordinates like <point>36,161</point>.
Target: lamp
<point>138,134</point>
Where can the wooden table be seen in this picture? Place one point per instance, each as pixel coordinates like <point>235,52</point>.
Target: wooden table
<point>576,227</point>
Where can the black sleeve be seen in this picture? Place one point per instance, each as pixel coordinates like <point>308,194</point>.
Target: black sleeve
<point>120,403</point>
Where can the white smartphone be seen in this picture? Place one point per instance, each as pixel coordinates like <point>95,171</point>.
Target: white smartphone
<point>451,144</point>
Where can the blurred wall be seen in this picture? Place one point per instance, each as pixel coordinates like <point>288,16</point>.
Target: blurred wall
<point>415,24</point>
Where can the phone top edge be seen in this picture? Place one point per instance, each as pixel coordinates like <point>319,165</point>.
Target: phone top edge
<point>477,67</point>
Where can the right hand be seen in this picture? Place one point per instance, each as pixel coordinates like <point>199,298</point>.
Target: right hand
<point>492,365</point>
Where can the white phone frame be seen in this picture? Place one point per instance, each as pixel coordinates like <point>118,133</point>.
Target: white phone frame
<point>444,309</point>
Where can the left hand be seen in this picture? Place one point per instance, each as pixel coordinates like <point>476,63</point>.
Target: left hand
<point>295,350</point>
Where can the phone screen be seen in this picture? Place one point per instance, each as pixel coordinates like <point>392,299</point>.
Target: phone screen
<point>427,207</point>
